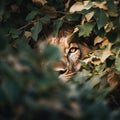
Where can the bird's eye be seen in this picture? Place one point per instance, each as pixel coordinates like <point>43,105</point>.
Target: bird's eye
<point>73,49</point>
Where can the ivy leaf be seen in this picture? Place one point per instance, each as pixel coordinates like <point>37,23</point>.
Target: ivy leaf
<point>31,15</point>
<point>85,29</point>
<point>57,24</point>
<point>36,30</point>
<point>101,18</point>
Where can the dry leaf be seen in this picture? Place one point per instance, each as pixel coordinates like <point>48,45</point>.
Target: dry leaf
<point>108,27</point>
<point>50,11</point>
<point>74,106</point>
<point>96,61</point>
<point>89,16</point>
<point>67,5</point>
<point>15,8</point>
<point>106,53</point>
<point>87,60</point>
<point>27,34</point>
<point>92,59</point>
<point>83,20</point>
<point>113,79</point>
<point>99,56</point>
<point>42,2</point>
<point>104,43</point>
<point>97,40</point>
<point>101,41</point>
<point>19,67</point>
<point>112,14</point>
<point>101,5</point>
<point>79,6</point>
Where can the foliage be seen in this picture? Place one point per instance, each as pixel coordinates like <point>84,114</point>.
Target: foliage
<point>29,88</point>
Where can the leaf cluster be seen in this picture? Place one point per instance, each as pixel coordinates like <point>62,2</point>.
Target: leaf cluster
<point>29,88</point>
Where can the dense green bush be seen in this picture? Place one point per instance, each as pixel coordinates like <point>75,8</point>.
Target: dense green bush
<point>29,90</point>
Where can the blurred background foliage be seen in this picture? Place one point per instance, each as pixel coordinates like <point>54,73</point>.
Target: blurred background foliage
<point>30,90</point>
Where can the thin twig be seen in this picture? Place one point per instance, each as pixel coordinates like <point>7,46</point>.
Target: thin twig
<point>30,23</point>
<point>61,12</point>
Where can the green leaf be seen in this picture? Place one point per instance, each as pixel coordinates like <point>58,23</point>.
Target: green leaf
<point>3,42</point>
<point>101,18</point>
<point>45,20</point>
<point>117,64</point>
<point>51,53</point>
<point>82,76</point>
<point>89,5</point>
<point>11,90</point>
<point>31,15</point>
<point>2,96</point>
<point>112,36</point>
<point>93,82</point>
<point>116,21</point>
<point>14,33</point>
<point>116,47</point>
<point>72,17</point>
<point>111,5</point>
<point>36,30</point>
<point>100,32</point>
<point>85,29</point>
<point>57,24</point>
<point>19,2</point>
<point>2,3</point>
<point>100,68</point>
<point>47,10</point>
